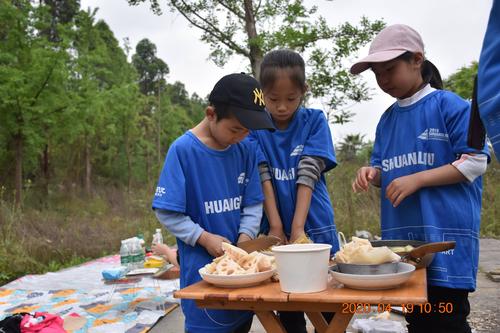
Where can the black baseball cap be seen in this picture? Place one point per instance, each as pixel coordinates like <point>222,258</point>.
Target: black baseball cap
<point>243,97</point>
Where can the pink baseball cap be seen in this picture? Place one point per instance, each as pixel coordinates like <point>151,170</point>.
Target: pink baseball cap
<point>389,44</point>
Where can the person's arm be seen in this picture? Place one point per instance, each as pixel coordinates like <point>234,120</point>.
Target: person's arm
<point>212,243</point>
<point>250,222</point>
<point>404,186</point>
<point>271,210</point>
<point>170,254</point>
<point>179,225</point>
<point>471,165</point>
<point>304,195</point>
<point>465,169</point>
<point>183,228</point>
<point>309,170</point>
<point>308,174</point>
<point>366,176</point>
<point>270,206</point>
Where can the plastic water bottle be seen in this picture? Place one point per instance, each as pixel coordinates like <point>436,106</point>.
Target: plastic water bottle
<point>157,237</point>
<point>143,247</point>
<point>125,254</point>
<point>137,254</point>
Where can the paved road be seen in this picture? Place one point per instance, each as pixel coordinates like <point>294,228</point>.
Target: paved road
<point>485,301</point>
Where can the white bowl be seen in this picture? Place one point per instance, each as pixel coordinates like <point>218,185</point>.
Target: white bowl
<point>375,282</point>
<point>236,281</point>
<point>302,268</point>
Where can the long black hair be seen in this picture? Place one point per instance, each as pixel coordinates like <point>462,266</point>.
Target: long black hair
<point>430,73</point>
<point>283,59</point>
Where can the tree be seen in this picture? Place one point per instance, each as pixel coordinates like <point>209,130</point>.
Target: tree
<point>251,28</point>
<point>61,12</point>
<point>99,68</point>
<point>462,81</point>
<point>32,75</point>
<point>351,145</point>
<point>178,94</point>
<point>151,69</point>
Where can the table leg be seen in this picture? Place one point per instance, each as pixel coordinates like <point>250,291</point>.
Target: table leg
<point>270,321</point>
<point>339,322</point>
<point>318,321</point>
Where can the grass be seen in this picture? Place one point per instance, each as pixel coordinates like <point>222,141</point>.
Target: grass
<point>71,229</point>
<point>68,228</point>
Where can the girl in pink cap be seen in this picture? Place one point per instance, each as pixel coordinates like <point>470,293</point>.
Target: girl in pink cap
<point>430,179</point>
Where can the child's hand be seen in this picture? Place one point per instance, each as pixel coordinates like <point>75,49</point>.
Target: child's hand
<point>278,232</point>
<point>243,238</point>
<point>364,177</point>
<point>160,249</point>
<point>212,243</point>
<point>296,234</point>
<point>402,187</point>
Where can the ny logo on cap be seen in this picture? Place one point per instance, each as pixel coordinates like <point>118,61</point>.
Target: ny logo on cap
<point>258,96</point>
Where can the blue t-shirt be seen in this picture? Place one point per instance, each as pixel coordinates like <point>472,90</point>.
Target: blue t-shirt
<point>307,134</point>
<point>488,79</point>
<point>425,135</point>
<point>211,187</point>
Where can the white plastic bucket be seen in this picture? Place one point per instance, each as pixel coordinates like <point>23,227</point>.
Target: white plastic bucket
<point>302,268</point>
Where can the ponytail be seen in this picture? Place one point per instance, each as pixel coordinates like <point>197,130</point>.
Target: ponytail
<point>431,75</point>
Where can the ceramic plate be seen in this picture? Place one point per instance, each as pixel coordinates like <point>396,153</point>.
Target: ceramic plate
<point>375,282</point>
<point>236,281</point>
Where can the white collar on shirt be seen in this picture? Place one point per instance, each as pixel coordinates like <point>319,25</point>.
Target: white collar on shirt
<point>426,90</point>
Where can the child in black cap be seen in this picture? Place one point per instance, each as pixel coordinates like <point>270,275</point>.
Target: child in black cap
<point>209,191</point>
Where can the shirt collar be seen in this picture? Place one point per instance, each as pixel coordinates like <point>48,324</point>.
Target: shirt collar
<point>426,90</point>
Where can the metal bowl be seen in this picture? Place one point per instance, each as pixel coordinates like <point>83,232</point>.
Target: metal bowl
<point>365,269</point>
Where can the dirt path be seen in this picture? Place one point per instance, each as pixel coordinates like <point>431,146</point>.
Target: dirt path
<point>485,301</point>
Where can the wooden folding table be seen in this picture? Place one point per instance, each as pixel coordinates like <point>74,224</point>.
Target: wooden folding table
<point>267,298</point>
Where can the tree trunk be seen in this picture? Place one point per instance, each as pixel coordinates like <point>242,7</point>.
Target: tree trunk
<point>45,170</point>
<point>158,136</point>
<point>255,50</point>
<point>88,168</point>
<point>127,155</point>
<point>18,177</point>
<point>148,167</point>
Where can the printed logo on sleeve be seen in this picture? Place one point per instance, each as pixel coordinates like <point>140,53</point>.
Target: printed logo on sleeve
<point>241,178</point>
<point>160,191</point>
<point>433,134</point>
<point>297,150</point>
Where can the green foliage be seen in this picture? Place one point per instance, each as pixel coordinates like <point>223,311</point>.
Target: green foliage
<point>151,70</point>
<point>71,109</point>
<point>462,81</point>
<point>252,28</point>
<point>62,234</point>
<point>351,146</point>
